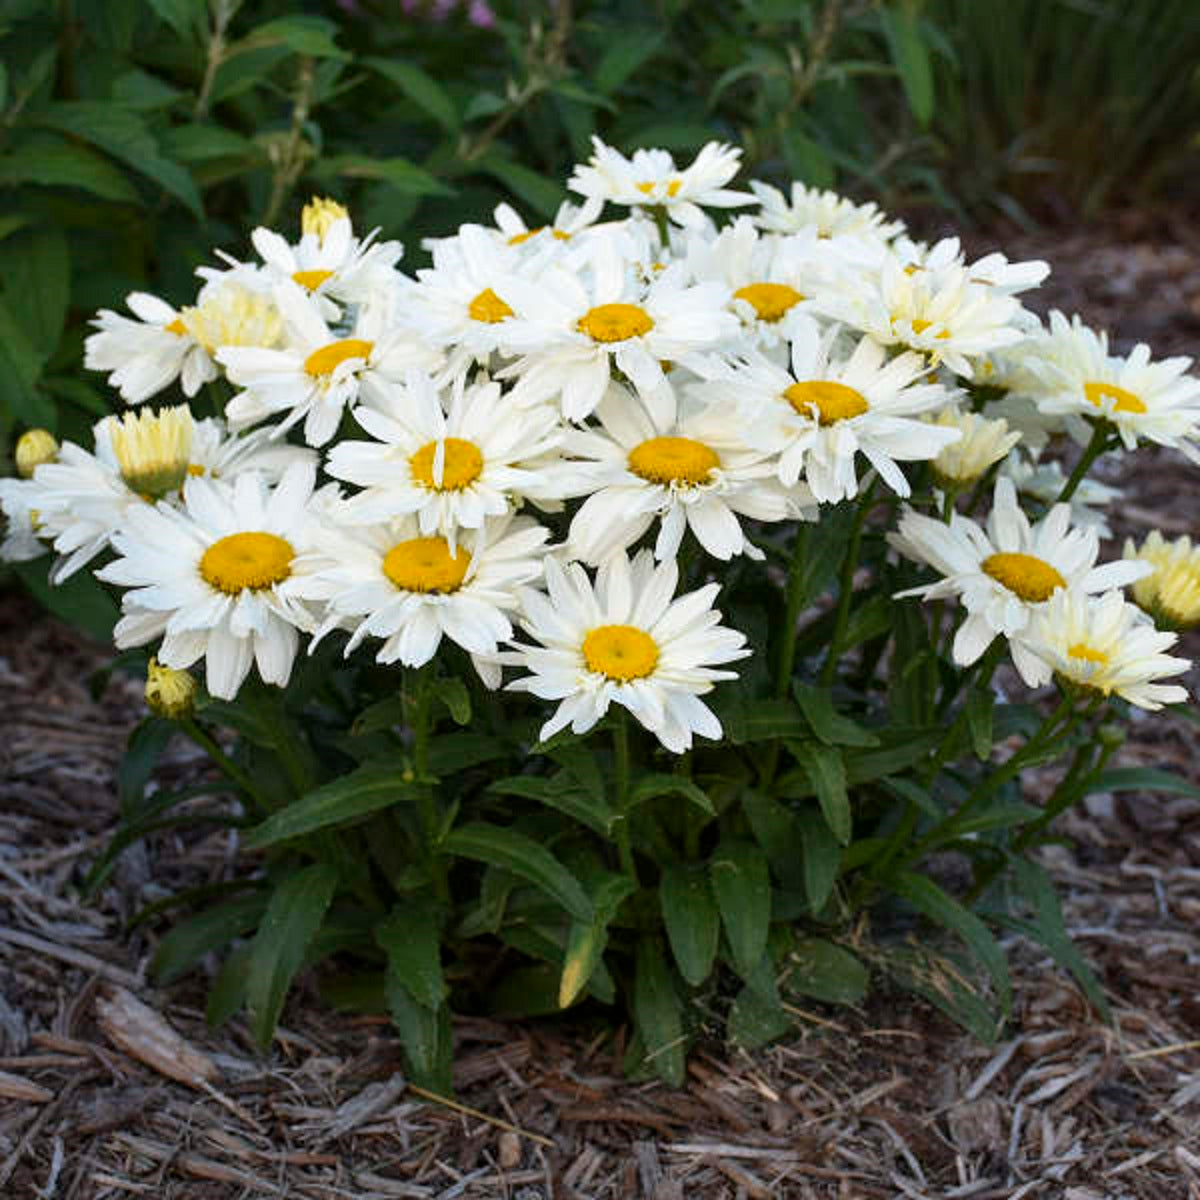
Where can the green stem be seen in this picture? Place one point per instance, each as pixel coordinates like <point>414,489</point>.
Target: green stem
<point>427,805</point>
<point>621,766</point>
<point>795,598</point>
<point>1096,447</point>
<point>290,161</point>
<point>222,12</point>
<point>845,590</point>
<point>227,766</point>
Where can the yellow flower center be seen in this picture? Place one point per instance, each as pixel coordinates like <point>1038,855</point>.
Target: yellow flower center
<point>1097,393</point>
<point>176,327</point>
<point>1025,575</point>
<point>621,652</point>
<point>425,564</point>
<point>673,460</point>
<point>518,238</point>
<point>826,401</point>
<point>324,361</point>
<point>615,322</point>
<point>311,280</point>
<point>461,466</point>
<point>152,448</point>
<point>770,301</point>
<point>649,185</point>
<point>247,560</point>
<point>1087,653</point>
<point>489,308</point>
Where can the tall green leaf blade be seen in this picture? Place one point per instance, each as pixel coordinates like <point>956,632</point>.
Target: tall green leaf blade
<point>1143,779</point>
<point>294,914</point>
<point>657,1011</point>
<point>825,769</point>
<point>410,939</point>
<point>189,941</point>
<point>692,920</point>
<point>586,942</point>
<point>742,885</point>
<point>504,847</point>
<point>901,27</point>
<point>561,792</point>
<point>822,862</point>
<point>421,88</point>
<point>425,1033</point>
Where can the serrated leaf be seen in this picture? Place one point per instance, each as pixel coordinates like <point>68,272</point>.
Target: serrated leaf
<point>692,921</point>
<point>294,914</point>
<point>657,1012</point>
<point>420,87</point>
<point>410,939</point>
<point>50,161</point>
<point>824,767</point>
<point>777,831</point>
<point>347,798</point>
<point>826,972</point>
<point>187,942</point>
<point>649,787</point>
<point>504,847</point>
<point>742,885</point>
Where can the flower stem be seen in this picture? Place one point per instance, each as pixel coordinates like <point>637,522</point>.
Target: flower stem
<point>427,804</point>
<point>227,766</point>
<point>1096,447</point>
<point>621,766</point>
<point>845,591</point>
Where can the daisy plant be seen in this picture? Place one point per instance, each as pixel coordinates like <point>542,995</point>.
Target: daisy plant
<point>625,614</point>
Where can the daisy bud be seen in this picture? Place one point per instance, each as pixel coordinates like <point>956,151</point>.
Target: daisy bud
<point>35,446</point>
<point>169,693</point>
<point>319,215</point>
<point>1171,592</point>
<point>983,443</point>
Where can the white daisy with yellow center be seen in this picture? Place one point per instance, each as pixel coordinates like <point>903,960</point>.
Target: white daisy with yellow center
<point>697,473</point>
<point>392,582</point>
<point>826,213</point>
<point>995,269</point>
<point>217,578</point>
<point>319,373</point>
<point>626,640</point>
<point>1139,398</point>
<point>452,468</point>
<point>824,412</point>
<point>1104,644</point>
<point>571,221</point>
<point>1171,592</point>
<point>651,178</point>
<point>19,541</point>
<point>575,327</point>
<point>1005,573</point>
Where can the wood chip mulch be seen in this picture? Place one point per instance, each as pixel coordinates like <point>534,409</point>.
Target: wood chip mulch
<point>113,1088</point>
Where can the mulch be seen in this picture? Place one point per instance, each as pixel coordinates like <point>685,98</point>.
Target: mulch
<point>111,1087</point>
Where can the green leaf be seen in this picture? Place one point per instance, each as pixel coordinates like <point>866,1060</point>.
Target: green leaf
<point>37,285</point>
<point>454,695</point>
<point>310,36</point>
<point>929,899</point>
<point>822,862</point>
<point>410,939</point>
<point>142,91</point>
<point>756,1019</point>
<point>650,787</point>
<point>824,767</point>
<point>742,885</point>
<point>1143,779</point>
<point>908,747</point>
<point>657,1012</point>
<point>807,159</point>
<point>980,707</point>
<point>626,50</point>
<point>504,847</point>
<point>124,135</point>
<point>539,193</point>
<point>187,942</point>
<point>426,1036</point>
<point>81,600</point>
<point>421,88</point>
<point>830,726</point>
<point>294,914</point>
<point>692,920</point>
<point>142,752</point>
<point>777,830</point>
<point>451,752</point>
<point>911,57</point>
<point>50,161</point>
<point>188,18</point>
<point>759,720</point>
<point>202,143</point>
<point>228,991</point>
<point>563,793</point>
<point>827,972</point>
<point>400,174</point>
<point>12,222</point>
<point>586,941</point>
<point>999,816</point>
<point>364,790</point>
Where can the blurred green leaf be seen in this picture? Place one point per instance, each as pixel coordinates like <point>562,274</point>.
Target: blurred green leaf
<point>37,285</point>
<point>539,193</point>
<point>421,88</point>
<point>626,50</point>
<point>51,161</point>
<point>826,972</point>
<point>311,36</point>
<point>399,173</point>
<point>20,366</point>
<point>693,923</point>
<point>901,26</point>
<point>188,18</point>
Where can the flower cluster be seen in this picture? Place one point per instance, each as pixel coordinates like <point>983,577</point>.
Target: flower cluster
<point>524,447</point>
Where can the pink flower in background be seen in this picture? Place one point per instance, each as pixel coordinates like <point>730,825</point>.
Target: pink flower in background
<point>479,12</point>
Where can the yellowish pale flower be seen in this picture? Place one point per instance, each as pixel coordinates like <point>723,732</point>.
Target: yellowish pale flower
<point>1171,594</point>
<point>231,314</point>
<point>169,693</point>
<point>34,447</point>
<point>319,216</point>
<point>153,448</point>
<point>983,443</point>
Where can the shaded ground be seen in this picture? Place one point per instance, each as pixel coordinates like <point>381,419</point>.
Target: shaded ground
<point>97,1101</point>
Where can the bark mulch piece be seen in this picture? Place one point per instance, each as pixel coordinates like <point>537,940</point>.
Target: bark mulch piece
<point>113,1088</point>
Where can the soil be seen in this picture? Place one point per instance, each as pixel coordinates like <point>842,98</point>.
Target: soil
<point>112,1087</point>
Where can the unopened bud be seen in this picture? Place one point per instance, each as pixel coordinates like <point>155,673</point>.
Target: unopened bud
<point>319,215</point>
<point>1110,736</point>
<point>34,447</point>
<point>169,693</point>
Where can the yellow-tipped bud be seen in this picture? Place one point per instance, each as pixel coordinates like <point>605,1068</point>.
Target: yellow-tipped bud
<point>1171,592</point>
<point>319,215</point>
<point>35,447</point>
<point>169,693</point>
<point>983,443</point>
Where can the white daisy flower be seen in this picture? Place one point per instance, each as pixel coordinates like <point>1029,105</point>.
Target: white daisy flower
<point>1171,592</point>
<point>318,374</point>
<point>1141,399</point>
<point>651,177</point>
<point>1104,644</point>
<point>696,474</point>
<point>627,641</point>
<point>995,270</point>
<point>1044,481</point>
<point>983,442</point>
<point>824,412</point>
<point>570,221</point>
<point>573,328</point>
<point>825,212</point>
<point>390,581</point>
<point>217,578</point>
<point>1004,574</point>
<point>450,469</point>
<point>19,540</point>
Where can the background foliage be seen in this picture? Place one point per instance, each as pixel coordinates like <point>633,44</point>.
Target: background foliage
<point>137,134</point>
